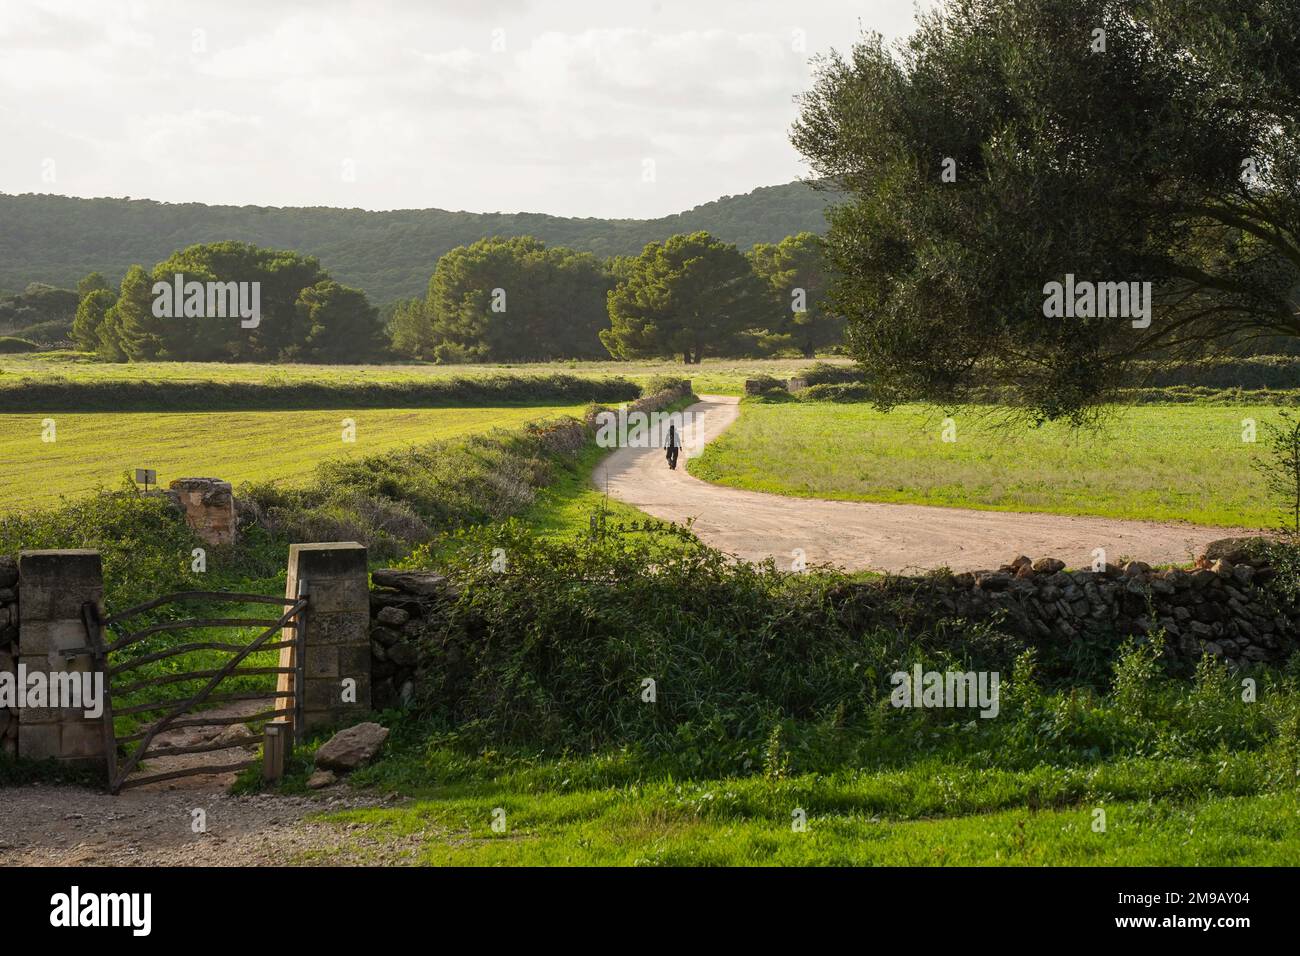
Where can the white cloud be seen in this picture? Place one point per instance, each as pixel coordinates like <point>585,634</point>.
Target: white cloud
<point>266,102</point>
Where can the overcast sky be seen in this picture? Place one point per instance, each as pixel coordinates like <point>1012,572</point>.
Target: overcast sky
<point>571,107</point>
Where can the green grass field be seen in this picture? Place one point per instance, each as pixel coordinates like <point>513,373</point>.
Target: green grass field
<point>619,828</point>
<point>718,376</point>
<point>1156,462</point>
<point>1210,810</point>
<point>94,449</point>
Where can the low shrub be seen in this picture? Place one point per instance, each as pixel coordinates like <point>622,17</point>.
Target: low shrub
<point>830,392</point>
<point>395,500</point>
<point>664,383</point>
<point>62,395</point>
<point>763,385</point>
<point>1169,395</point>
<point>145,546</point>
<point>824,373</point>
<point>1204,395</point>
<point>1253,372</point>
<point>1283,555</point>
<point>1258,380</point>
<point>11,345</point>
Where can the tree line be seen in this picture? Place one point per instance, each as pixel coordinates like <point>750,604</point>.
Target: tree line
<point>304,315</point>
<point>502,299</point>
<point>515,299</point>
<point>388,255</point>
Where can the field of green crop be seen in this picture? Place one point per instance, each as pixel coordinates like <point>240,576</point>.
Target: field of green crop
<point>93,450</point>
<point>1156,462</point>
<point>720,376</point>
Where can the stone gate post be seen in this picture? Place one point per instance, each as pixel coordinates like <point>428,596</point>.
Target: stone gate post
<point>335,644</point>
<point>53,586</point>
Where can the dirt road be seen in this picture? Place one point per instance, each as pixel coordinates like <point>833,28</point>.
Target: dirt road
<point>45,825</point>
<point>191,821</point>
<point>860,535</point>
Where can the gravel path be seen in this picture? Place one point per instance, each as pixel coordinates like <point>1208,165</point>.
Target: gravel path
<point>43,825</point>
<point>154,825</point>
<point>864,535</point>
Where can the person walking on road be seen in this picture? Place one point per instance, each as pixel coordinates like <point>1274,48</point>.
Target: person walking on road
<point>672,447</point>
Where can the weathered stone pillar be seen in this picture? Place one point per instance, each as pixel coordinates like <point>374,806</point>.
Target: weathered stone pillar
<point>8,650</point>
<point>53,586</point>
<point>209,508</point>
<point>336,632</point>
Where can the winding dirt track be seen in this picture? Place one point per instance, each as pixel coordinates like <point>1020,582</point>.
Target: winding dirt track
<point>861,535</point>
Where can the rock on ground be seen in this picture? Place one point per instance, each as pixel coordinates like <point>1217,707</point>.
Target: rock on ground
<point>321,778</point>
<point>349,749</point>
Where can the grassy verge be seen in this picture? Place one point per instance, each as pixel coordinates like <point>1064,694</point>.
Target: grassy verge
<point>564,508</point>
<point>970,804</point>
<point>999,797</point>
<point>709,824</point>
<point>1163,463</point>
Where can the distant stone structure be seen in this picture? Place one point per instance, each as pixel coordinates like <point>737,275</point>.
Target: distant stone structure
<point>762,383</point>
<point>209,508</point>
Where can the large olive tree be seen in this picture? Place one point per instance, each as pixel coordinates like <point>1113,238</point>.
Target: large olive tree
<point>1008,144</point>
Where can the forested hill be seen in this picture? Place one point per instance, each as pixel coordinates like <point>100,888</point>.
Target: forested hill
<point>390,255</point>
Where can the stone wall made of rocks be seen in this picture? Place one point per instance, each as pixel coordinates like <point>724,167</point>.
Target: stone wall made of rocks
<point>1222,606</point>
<point>8,649</point>
<point>399,601</point>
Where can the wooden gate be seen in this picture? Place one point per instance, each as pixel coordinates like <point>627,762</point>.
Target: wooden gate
<point>187,711</point>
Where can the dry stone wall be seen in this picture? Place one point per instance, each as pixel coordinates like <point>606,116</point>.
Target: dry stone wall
<point>399,602</point>
<point>1224,606</point>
